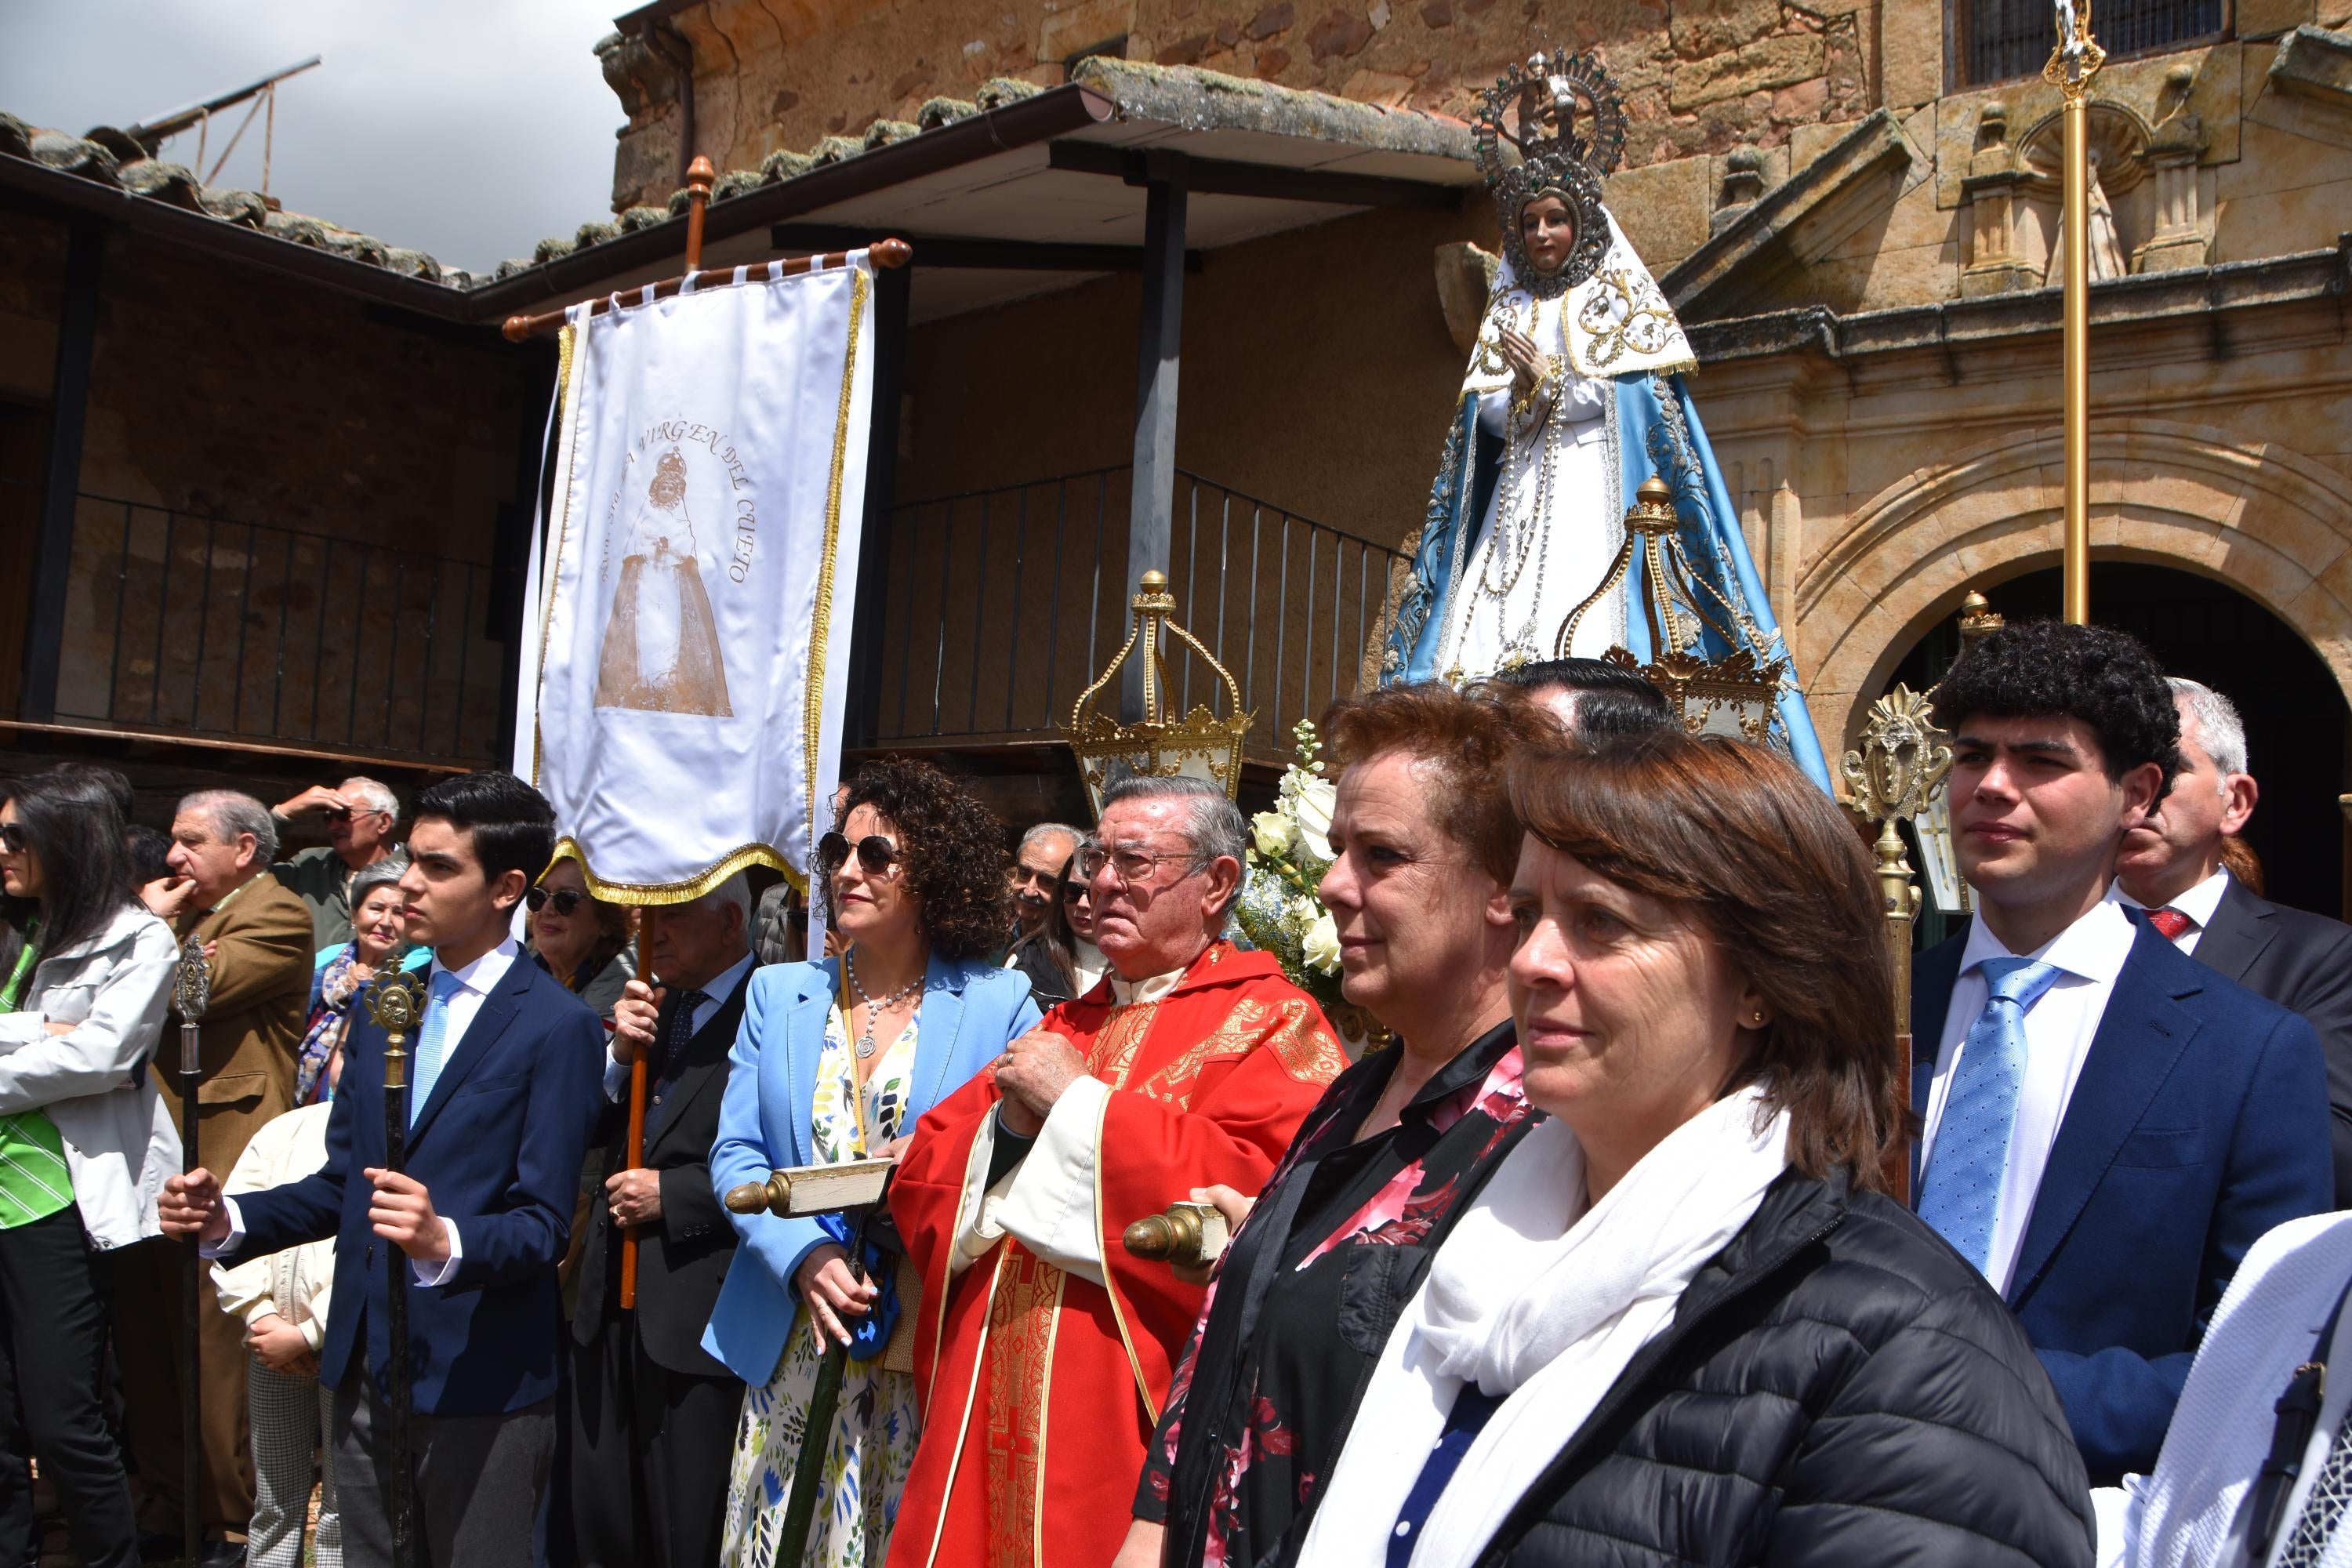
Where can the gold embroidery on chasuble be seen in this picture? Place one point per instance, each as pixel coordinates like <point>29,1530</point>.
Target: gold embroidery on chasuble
<point>1112,1055</point>
<point>1290,1030</point>
<point>1022,1316</point>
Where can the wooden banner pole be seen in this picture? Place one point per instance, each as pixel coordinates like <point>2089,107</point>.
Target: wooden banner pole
<point>648,920</point>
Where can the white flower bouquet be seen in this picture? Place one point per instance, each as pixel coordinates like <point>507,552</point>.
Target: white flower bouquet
<point>1279,909</point>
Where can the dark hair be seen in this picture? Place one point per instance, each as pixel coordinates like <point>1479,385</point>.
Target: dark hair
<point>2106,678</point>
<point>112,779</point>
<point>70,820</point>
<point>1612,700</point>
<point>955,864</point>
<point>147,847</point>
<point>513,825</point>
<point>1766,864</point>
<point>1467,738</point>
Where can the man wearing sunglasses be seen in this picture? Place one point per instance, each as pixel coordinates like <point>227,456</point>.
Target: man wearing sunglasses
<point>1193,1067</point>
<point>1037,865</point>
<point>359,817</point>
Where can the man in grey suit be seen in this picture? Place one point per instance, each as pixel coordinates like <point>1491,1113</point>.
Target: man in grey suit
<point>2171,867</point>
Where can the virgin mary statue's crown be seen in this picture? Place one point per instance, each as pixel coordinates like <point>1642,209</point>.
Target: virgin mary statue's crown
<point>1554,126</point>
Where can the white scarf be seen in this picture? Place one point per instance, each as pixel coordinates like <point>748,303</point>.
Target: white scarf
<point>1536,1297</point>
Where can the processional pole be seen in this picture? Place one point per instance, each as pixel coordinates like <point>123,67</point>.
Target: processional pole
<point>699,179</point>
<point>397,1005</point>
<point>192,995</point>
<point>2071,66</point>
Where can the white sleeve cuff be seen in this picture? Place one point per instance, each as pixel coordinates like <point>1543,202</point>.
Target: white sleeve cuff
<point>1051,1204</point>
<point>976,1227</point>
<point>616,1080</point>
<point>235,1237</point>
<point>439,1273</point>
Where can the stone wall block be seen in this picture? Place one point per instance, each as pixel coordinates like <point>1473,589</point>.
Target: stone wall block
<point>1063,33</point>
<point>1911,52</point>
<point>1774,62</point>
<point>1717,27</point>
<point>1337,34</point>
<point>2267,18</point>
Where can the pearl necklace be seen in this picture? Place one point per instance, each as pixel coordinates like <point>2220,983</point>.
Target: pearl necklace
<point>874,1010</point>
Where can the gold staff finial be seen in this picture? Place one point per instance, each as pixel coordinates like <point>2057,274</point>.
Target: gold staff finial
<point>395,1005</point>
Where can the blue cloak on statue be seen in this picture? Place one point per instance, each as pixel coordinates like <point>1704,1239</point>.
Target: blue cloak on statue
<point>1652,428</point>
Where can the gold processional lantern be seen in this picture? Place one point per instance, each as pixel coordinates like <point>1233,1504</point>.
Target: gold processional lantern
<point>1199,744</point>
<point>1734,695</point>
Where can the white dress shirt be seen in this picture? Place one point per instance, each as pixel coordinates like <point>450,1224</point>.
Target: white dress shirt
<point>474,983</point>
<point>714,997</point>
<point>2058,1032</point>
<point>2200,903</point>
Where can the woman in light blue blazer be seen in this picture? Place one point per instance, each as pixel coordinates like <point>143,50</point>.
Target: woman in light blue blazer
<point>835,1061</point>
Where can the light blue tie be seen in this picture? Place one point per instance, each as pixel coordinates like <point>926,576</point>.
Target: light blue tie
<point>1962,1195</point>
<point>432,1041</point>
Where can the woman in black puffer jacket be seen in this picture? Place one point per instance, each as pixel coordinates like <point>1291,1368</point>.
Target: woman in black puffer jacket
<point>1680,1324</point>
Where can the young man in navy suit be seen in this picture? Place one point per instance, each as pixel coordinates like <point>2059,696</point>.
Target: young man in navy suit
<point>2107,1126</point>
<point>504,1086</point>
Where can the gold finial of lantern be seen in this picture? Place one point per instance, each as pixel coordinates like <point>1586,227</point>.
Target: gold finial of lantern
<point>1160,743</point>
<point>1977,617</point>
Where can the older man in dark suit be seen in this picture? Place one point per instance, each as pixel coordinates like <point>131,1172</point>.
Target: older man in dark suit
<point>2171,867</point>
<point>654,1413</point>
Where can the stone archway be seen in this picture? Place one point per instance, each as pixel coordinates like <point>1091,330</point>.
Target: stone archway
<point>2271,522</point>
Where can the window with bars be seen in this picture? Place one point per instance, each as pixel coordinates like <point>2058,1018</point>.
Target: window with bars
<point>1997,40</point>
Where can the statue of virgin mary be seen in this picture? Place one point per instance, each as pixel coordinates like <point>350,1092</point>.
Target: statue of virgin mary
<point>1574,396</point>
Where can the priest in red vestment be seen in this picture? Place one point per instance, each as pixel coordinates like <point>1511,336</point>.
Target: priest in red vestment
<point>1042,1350</point>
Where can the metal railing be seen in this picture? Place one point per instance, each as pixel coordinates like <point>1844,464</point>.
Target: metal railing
<point>1995,40</point>
<point>182,622</point>
<point>1005,602</point>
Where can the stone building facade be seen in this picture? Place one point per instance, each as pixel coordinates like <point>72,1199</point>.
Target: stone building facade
<point>1857,227</point>
<point>1851,203</point>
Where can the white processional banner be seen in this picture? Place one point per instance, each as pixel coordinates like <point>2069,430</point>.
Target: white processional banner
<point>682,692</point>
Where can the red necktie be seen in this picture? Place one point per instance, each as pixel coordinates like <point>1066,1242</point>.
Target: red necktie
<point>2169,922</point>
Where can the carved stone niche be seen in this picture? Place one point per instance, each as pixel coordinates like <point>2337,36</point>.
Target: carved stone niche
<point>2181,237</point>
<point>2119,142</point>
<point>1990,189</point>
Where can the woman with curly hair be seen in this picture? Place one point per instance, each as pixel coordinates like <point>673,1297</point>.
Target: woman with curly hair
<point>835,1061</point>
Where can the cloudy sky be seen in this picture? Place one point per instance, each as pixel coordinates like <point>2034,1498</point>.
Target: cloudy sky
<point>470,129</point>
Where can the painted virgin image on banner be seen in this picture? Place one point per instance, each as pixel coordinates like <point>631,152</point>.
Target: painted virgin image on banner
<point>661,650</point>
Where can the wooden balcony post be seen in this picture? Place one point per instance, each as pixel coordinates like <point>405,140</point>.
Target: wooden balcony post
<point>1159,343</point>
<point>45,620</point>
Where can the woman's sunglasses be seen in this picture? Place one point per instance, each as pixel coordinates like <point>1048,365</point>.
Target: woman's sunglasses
<point>11,837</point>
<point>565,900</point>
<point>1073,891</point>
<point>875,853</point>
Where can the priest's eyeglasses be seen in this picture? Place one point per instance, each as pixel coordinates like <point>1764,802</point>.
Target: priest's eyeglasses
<point>1135,867</point>
<point>876,854</point>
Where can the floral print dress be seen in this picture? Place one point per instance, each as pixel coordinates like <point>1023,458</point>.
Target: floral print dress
<point>1304,1299</point>
<point>873,1440</point>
